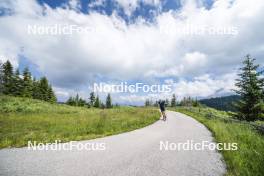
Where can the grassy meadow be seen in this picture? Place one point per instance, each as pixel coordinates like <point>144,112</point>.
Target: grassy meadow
<point>23,120</point>
<point>249,158</point>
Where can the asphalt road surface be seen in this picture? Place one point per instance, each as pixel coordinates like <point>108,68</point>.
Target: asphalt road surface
<point>141,152</point>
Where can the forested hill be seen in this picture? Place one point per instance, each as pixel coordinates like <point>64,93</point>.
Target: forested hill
<point>221,103</point>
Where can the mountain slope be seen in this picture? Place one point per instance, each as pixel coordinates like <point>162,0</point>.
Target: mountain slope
<point>221,103</point>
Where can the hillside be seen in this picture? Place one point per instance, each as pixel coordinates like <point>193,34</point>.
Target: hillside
<point>221,103</point>
<point>23,120</point>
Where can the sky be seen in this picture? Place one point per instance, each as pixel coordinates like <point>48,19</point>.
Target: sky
<point>196,46</point>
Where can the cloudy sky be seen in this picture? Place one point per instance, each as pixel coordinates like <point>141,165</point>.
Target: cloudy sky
<point>194,45</point>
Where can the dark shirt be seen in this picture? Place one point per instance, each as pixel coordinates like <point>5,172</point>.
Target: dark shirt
<point>162,105</point>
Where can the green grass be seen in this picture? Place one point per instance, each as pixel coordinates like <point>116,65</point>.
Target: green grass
<point>23,120</point>
<point>249,158</point>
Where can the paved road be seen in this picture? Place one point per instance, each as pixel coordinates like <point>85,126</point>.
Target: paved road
<point>133,153</point>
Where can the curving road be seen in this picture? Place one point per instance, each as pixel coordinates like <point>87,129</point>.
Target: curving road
<point>133,153</point>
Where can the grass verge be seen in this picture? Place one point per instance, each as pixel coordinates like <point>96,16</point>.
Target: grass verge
<point>249,158</point>
<point>23,120</point>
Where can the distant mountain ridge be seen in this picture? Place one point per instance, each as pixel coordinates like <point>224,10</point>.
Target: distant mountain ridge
<point>221,103</point>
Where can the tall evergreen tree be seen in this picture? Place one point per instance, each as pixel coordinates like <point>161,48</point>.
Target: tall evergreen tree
<point>97,102</point>
<point>250,88</point>
<point>147,102</point>
<point>8,78</point>
<point>27,84</point>
<point>76,100</point>
<point>1,78</point>
<point>195,103</point>
<point>173,101</point>
<point>51,95</point>
<point>92,98</point>
<point>43,89</point>
<point>35,89</point>
<point>18,84</point>
<point>108,102</point>
<point>183,102</point>
<point>81,102</point>
<point>70,101</point>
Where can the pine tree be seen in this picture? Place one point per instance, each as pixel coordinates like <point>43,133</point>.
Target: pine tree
<point>76,100</point>
<point>183,101</point>
<point>43,89</point>
<point>97,102</point>
<point>189,101</point>
<point>195,103</point>
<point>250,88</point>
<point>27,84</point>
<point>81,102</point>
<point>70,101</point>
<point>173,101</point>
<point>8,78</point>
<point>1,78</point>
<point>108,102</point>
<point>51,95</point>
<point>18,84</point>
<point>147,102</point>
<point>92,98</point>
<point>35,89</point>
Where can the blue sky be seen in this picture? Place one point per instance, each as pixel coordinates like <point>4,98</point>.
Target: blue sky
<point>194,45</point>
<point>110,5</point>
<point>143,10</point>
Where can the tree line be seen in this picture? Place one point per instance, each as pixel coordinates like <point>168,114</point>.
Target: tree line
<point>94,101</point>
<point>186,101</point>
<point>23,85</point>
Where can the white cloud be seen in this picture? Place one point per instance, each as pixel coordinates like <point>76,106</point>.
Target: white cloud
<point>96,3</point>
<point>75,4</point>
<point>130,6</point>
<point>205,86</point>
